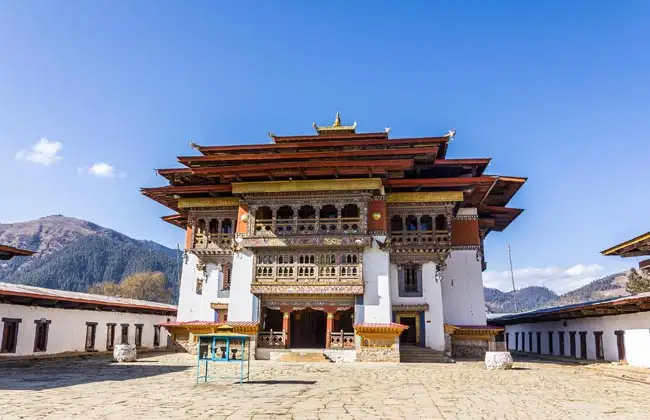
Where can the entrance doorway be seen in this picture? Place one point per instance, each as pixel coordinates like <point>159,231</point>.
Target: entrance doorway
<point>308,329</point>
<point>409,336</point>
<point>620,345</point>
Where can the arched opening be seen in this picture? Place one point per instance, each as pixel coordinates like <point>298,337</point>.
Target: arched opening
<point>284,219</point>
<point>306,218</point>
<point>411,223</point>
<point>350,217</point>
<point>426,223</point>
<point>263,216</point>
<point>226,226</point>
<point>441,222</point>
<point>328,212</point>
<point>396,224</point>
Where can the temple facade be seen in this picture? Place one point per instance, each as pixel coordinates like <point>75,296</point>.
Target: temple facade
<point>342,241</point>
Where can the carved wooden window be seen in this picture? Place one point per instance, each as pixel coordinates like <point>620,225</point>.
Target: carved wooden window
<point>226,271</point>
<point>426,223</point>
<point>411,223</point>
<point>396,224</point>
<point>199,286</point>
<point>410,280</point>
<point>10,334</point>
<point>156,335</point>
<point>600,350</point>
<point>125,334</point>
<point>40,337</point>
<point>138,335</point>
<point>306,219</point>
<point>284,220</point>
<point>226,226</point>
<point>91,332</point>
<point>263,219</point>
<point>110,336</point>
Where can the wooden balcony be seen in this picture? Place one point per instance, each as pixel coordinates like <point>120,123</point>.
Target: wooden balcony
<point>212,243</point>
<point>342,340</point>
<point>420,238</point>
<point>271,339</point>
<point>296,226</point>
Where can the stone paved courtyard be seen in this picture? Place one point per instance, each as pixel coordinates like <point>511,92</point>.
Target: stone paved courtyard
<point>162,387</point>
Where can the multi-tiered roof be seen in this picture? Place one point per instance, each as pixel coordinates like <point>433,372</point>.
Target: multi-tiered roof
<point>338,151</point>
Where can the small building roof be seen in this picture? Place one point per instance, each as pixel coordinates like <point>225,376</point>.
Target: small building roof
<point>23,294</point>
<point>7,252</point>
<point>634,247</point>
<point>611,306</point>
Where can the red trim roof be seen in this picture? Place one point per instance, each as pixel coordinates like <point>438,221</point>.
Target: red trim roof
<point>10,289</point>
<point>16,251</point>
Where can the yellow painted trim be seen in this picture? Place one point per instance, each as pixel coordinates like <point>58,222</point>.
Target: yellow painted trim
<point>307,185</point>
<point>424,197</point>
<point>641,238</point>
<point>415,315</point>
<point>184,203</point>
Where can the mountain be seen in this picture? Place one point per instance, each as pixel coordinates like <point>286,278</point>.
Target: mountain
<point>535,297</point>
<point>525,299</point>
<point>72,254</point>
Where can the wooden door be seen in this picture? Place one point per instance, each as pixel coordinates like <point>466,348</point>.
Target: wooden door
<point>620,345</point>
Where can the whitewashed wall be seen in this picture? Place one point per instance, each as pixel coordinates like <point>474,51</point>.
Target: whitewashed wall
<point>67,330</point>
<point>245,306</point>
<point>607,324</point>
<point>462,289</point>
<point>637,347</point>
<point>377,294</point>
<point>195,307</point>
<point>431,294</point>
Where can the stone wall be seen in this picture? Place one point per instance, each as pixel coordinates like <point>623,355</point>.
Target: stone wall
<point>378,354</point>
<point>471,349</point>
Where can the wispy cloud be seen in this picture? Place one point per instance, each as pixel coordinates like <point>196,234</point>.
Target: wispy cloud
<point>102,170</point>
<point>560,280</point>
<point>44,152</point>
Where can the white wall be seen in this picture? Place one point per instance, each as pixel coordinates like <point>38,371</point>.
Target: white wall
<point>431,294</point>
<point>376,297</point>
<point>195,307</point>
<point>67,330</point>
<point>462,289</point>
<point>637,347</point>
<point>606,324</point>
<point>245,306</point>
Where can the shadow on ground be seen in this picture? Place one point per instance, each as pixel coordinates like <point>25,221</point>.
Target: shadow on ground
<point>279,382</point>
<point>48,374</point>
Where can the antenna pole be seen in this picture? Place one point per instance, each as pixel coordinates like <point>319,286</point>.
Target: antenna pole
<point>512,277</point>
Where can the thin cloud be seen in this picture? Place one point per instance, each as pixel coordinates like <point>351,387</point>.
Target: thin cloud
<point>102,170</point>
<point>560,280</point>
<point>44,152</point>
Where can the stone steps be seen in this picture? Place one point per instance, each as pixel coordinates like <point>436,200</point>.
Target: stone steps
<point>414,354</point>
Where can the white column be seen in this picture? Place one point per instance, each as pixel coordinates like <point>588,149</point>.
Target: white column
<point>462,289</point>
<point>193,306</point>
<point>433,319</point>
<point>376,297</point>
<point>243,304</point>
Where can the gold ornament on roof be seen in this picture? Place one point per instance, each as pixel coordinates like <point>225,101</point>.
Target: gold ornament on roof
<point>336,128</point>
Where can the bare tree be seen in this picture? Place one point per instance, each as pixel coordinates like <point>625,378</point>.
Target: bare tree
<point>151,286</point>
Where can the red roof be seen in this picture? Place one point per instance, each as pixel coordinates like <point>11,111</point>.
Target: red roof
<point>10,289</point>
<point>15,252</point>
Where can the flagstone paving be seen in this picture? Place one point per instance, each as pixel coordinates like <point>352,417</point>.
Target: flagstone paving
<point>163,387</point>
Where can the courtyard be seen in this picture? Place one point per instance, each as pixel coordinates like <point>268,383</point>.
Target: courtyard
<point>163,387</point>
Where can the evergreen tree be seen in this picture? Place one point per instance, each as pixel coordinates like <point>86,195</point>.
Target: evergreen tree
<point>638,282</point>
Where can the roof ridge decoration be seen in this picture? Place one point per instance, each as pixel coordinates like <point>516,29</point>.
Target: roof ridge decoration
<point>336,127</point>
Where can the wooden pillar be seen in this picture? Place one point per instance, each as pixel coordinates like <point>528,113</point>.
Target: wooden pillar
<point>285,328</point>
<point>328,331</point>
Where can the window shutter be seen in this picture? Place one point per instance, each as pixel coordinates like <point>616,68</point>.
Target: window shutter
<point>419,271</point>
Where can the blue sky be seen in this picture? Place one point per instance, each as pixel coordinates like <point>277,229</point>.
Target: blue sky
<point>555,91</point>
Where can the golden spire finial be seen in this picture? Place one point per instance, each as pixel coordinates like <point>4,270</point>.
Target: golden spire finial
<point>337,120</point>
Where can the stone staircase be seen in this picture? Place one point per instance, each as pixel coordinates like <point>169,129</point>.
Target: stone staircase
<point>416,354</point>
<point>309,356</point>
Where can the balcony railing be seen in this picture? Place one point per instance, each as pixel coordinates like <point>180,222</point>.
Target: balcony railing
<point>296,226</point>
<point>342,340</point>
<point>213,240</point>
<point>271,339</point>
<point>420,237</point>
